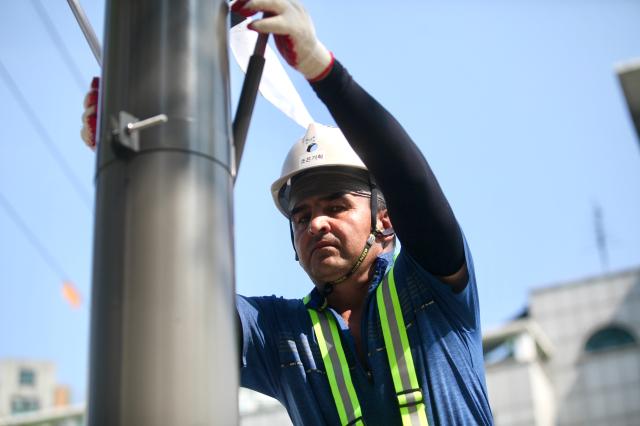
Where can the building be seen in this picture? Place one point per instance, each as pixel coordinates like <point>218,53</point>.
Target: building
<point>26,385</point>
<point>30,395</point>
<point>572,359</point>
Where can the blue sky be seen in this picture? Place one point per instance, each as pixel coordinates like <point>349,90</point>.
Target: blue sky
<point>515,104</point>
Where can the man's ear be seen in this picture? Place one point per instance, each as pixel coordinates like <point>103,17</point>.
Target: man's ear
<point>385,226</point>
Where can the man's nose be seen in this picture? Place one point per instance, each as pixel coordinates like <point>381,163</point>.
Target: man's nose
<point>319,224</point>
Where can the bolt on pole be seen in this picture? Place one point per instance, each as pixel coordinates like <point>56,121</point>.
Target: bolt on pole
<point>163,339</point>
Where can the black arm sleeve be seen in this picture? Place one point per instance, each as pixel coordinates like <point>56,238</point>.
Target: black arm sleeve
<point>419,211</point>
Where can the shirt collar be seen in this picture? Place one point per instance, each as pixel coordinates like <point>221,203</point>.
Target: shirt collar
<point>317,301</point>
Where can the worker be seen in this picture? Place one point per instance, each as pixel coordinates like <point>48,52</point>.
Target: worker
<point>385,336</point>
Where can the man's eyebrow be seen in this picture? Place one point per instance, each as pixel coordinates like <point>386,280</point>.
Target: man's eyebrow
<point>334,196</point>
<point>330,197</point>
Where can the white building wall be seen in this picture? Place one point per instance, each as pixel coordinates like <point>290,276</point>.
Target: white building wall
<point>520,394</point>
<point>543,396</point>
<point>509,388</point>
<point>260,410</point>
<point>592,388</point>
<point>10,388</point>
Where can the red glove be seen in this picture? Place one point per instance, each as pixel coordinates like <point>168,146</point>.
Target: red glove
<point>294,34</point>
<point>90,115</point>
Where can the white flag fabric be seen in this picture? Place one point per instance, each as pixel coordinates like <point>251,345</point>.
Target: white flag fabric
<point>275,85</point>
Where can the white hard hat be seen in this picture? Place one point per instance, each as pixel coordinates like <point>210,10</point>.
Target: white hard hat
<point>321,146</point>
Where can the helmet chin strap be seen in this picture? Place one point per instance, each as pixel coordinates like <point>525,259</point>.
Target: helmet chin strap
<point>293,243</point>
<point>328,287</point>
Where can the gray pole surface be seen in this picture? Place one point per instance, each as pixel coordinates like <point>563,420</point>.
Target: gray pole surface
<point>163,342</point>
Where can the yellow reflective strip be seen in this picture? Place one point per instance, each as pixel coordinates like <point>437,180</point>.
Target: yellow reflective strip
<point>405,412</point>
<point>418,417</point>
<point>406,416</point>
<point>413,379</point>
<point>388,342</point>
<point>402,399</point>
<point>422,415</point>
<point>331,376</point>
<point>345,369</point>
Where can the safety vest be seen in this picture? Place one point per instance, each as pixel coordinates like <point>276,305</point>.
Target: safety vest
<point>396,342</point>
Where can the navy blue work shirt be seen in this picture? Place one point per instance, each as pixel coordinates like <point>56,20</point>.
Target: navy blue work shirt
<point>281,357</point>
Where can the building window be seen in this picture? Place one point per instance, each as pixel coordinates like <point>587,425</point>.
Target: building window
<point>21,404</point>
<point>500,351</point>
<point>610,337</point>
<point>27,377</point>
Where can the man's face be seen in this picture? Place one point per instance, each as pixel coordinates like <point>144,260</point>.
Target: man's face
<point>330,233</point>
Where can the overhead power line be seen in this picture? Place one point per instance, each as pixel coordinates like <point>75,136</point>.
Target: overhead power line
<point>32,117</point>
<point>59,44</point>
<point>33,239</point>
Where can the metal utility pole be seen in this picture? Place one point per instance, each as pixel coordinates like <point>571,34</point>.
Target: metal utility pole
<point>163,341</point>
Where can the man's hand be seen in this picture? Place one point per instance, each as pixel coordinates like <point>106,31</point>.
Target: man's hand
<point>90,115</point>
<point>293,32</point>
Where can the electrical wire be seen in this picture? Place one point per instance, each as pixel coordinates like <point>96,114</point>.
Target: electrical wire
<point>33,239</point>
<point>59,44</point>
<point>32,118</point>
